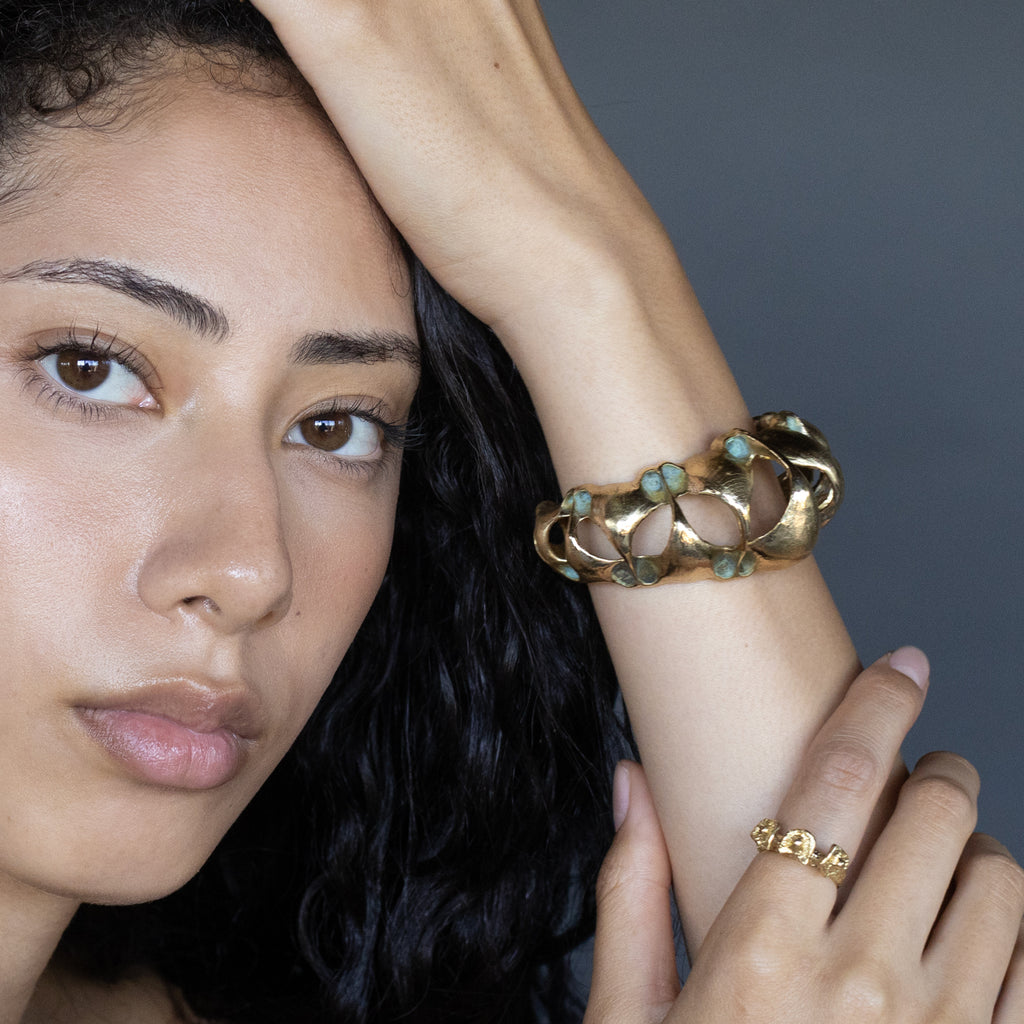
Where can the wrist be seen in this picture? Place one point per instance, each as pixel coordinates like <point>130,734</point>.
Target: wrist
<point>591,282</point>
<point>623,373</point>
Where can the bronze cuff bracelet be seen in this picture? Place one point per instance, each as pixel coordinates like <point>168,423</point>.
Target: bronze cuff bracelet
<point>811,481</point>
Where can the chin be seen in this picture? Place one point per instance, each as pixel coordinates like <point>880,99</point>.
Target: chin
<point>123,882</point>
<point>112,866</point>
<point>119,894</point>
<point>148,870</point>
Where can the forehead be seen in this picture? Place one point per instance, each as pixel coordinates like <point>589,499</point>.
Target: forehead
<point>247,198</point>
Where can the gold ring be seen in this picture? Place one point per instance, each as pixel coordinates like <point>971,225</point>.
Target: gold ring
<point>801,844</point>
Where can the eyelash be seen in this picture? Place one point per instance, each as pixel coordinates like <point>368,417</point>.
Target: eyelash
<point>95,345</point>
<point>395,436</point>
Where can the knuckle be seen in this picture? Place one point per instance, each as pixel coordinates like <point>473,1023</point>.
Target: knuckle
<point>612,879</point>
<point>950,1011</point>
<point>623,884</point>
<point>947,795</point>
<point>754,956</point>
<point>944,762</point>
<point>848,765</point>
<point>1001,878</point>
<point>944,799</point>
<point>892,692</point>
<point>956,1004</point>
<point>865,991</point>
<point>888,693</point>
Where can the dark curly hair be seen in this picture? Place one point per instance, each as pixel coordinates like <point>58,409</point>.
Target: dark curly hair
<point>427,850</point>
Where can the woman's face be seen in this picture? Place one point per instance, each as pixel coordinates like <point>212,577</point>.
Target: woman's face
<point>203,325</point>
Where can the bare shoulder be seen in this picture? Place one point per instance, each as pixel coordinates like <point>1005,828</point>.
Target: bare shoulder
<point>142,998</point>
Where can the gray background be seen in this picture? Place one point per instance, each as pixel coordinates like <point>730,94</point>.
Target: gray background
<point>843,182</point>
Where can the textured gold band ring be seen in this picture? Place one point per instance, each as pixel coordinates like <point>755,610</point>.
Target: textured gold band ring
<point>801,844</point>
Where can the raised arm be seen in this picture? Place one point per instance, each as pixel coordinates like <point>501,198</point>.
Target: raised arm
<point>461,118</point>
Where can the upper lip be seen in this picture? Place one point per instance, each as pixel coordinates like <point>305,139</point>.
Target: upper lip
<point>199,704</point>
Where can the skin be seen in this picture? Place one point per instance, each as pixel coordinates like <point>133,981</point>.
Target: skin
<point>204,543</point>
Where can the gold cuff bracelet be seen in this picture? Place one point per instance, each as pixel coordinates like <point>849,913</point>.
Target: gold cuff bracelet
<point>811,482</point>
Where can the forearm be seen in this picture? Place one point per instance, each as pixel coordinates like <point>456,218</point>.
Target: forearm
<point>725,683</point>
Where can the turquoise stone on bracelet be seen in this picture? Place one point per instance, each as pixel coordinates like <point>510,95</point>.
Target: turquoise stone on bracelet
<point>582,502</point>
<point>724,566</point>
<point>647,571</point>
<point>748,563</point>
<point>653,486</point>
<point>622,575</point>
<point>793,424</point>
<point>737,447</point>
<point>570,573</point>
<point>674,477</point>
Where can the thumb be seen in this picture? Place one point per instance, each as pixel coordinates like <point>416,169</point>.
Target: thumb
<point>635,979</point>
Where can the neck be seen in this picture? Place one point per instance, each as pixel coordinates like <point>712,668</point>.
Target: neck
<point>31,924</point>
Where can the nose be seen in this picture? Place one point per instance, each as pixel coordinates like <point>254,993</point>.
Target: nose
<point>219,555</point>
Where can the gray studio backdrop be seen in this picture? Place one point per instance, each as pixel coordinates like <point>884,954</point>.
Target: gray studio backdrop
<point>845,184</point>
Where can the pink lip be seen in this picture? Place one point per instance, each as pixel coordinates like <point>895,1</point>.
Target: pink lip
<point>178,733</point>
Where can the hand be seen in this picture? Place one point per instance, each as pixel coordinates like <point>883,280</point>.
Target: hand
<point>464,123</point>
<point>900,950</point>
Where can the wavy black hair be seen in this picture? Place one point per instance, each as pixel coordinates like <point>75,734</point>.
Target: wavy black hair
<point>427,850</point>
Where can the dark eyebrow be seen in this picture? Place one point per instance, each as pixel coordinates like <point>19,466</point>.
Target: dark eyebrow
<point>204,318</point>
<point>195,313</point>
<point>355,347</point>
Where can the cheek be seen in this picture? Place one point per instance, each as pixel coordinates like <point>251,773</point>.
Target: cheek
<point>64,541</point>
<point>339,557</point>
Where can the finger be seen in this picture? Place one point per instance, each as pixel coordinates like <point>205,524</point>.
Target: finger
<point>905,878</point>
<point>1010,1007</point>
<point>840,780</point>
<point>974,939</point>
<point>635,979</point>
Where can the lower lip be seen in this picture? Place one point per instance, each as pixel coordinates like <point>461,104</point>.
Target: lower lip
<point>164,752</point>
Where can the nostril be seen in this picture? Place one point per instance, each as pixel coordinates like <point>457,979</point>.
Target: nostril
<point>205,604</point>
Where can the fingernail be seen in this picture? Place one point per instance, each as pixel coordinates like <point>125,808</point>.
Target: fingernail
<point>911,662</point>
<point>620,794</point>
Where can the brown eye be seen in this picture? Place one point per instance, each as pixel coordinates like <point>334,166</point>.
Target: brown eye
<point>328,433</point>
<point>345,436</point>
<point>81,371</point>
